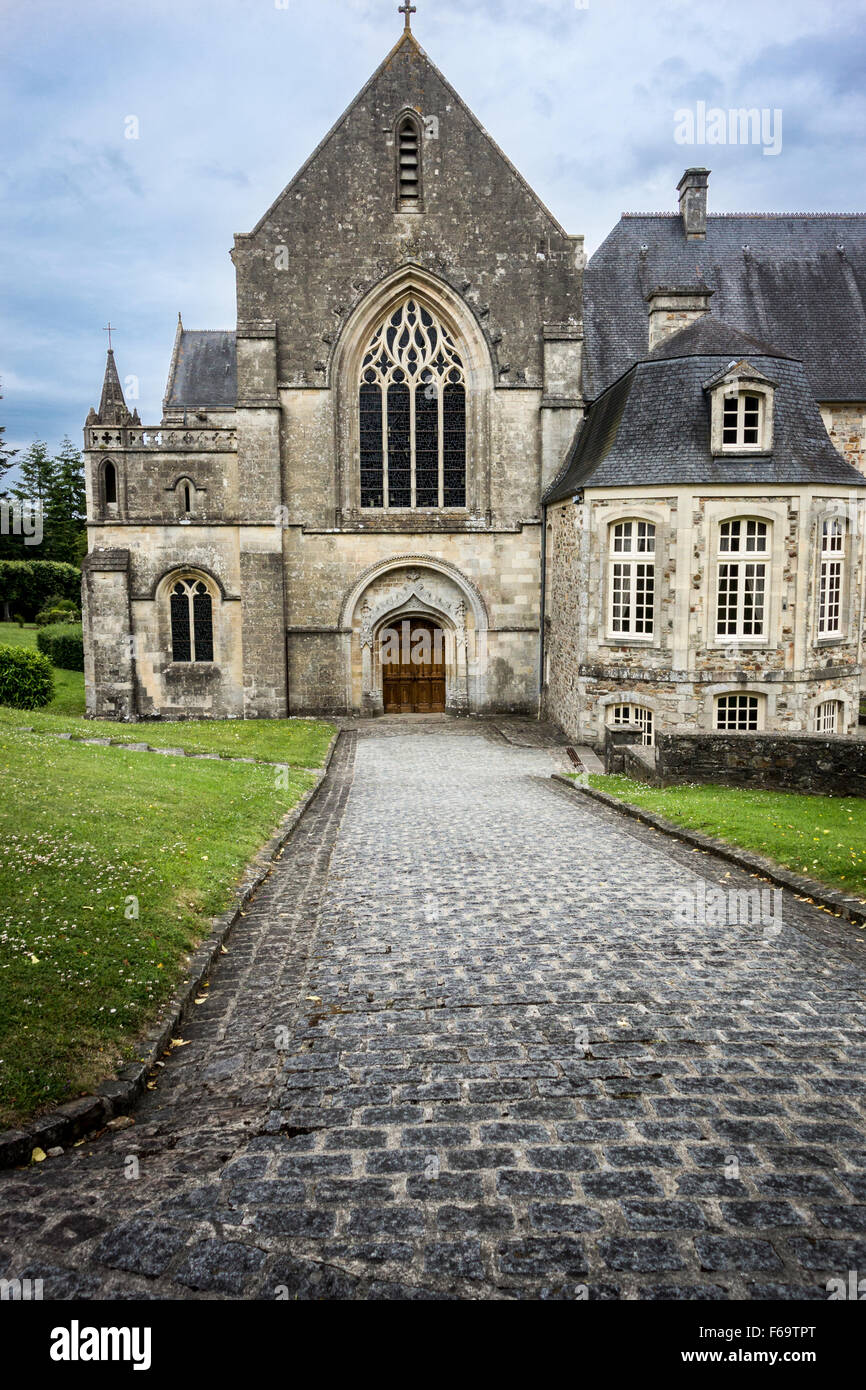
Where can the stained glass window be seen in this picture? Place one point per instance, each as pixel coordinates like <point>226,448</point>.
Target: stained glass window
<point>191,608</point>
<point>412,414</point>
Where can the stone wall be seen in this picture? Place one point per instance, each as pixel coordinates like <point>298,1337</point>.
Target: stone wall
<point>807,763</point>
<point>846,426</point>
<point>679,672</point>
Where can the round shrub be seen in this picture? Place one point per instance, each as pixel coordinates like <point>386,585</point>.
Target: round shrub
<point>63,644</point>
<point>26,678</point>
<point>58,610</point>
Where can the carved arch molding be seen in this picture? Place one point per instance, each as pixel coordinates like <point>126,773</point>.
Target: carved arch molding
<point>421,592</point>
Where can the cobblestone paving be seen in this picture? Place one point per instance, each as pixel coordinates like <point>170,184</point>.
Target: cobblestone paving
<point>461,1047</point>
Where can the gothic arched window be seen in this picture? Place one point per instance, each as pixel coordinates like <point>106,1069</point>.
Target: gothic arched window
<point>413,414</point>
<point>191,621</point>
<point>109,484</point>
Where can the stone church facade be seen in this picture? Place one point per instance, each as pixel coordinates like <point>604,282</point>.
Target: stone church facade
<point>427,425</point>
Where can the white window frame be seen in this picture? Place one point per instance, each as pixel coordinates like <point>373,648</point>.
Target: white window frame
<point>632,545</point>
<point>641,715</point>
<point>830,717</point>
<point>831,578</point>
<point>742,580</point>
<point>739,385</point>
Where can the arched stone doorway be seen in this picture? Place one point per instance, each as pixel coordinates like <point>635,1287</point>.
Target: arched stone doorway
<point>413,653</point>
<point>429,592</point>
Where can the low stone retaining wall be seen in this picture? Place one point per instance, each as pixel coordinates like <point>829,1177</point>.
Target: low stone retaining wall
<point>775,762</point>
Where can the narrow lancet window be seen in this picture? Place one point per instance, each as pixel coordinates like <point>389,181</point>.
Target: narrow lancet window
<point>408,145</point>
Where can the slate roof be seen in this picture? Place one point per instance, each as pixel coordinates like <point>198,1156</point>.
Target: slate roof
<point>793,287</point>
<point>652,425</point>
<point>204,370</point>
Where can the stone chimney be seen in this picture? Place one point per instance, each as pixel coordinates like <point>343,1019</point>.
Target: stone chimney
<point>692,189</point>
<point>673,307</point>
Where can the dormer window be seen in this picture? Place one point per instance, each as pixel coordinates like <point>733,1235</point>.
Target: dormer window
<point>741,426</point>
<point>741,405</point>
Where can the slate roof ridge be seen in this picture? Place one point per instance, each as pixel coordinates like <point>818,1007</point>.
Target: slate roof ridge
<point>767,216</point>
<point>742,342</point>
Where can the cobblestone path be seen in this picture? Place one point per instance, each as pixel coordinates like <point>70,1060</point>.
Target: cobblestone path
<point>462,1047</point>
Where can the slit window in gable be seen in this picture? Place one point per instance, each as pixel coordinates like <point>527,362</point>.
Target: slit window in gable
<point>409,165</point>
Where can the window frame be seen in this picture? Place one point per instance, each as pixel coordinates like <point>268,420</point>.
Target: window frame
<point>839,716</point>
<point>455,360</point>
<point>826,558</point>
<point>631,560</point>
<point>742,383</point>
<point>740,558</point>
<point>738,695</point>
<point>191,579</point>
<point>108,510</point>
<point>646,719</point>
<point>413,206</point>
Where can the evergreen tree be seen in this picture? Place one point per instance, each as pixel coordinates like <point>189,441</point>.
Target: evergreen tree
<point>36,470</point>
<point>23,521</point>
<point>65,506</point>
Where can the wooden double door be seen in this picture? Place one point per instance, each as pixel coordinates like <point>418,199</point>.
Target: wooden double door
<point>413,667</point>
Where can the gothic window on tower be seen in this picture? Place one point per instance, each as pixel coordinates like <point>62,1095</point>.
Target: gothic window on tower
<point>191,607</point>
<point>408,148</point>
<point>412,414</point>
<point>109,484</point>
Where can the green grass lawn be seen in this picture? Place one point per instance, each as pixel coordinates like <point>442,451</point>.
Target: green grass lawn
<point>295,742</point>
<point>821,836</point>
<point>85,833</point>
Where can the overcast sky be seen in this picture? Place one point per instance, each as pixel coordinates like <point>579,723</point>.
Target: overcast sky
<point>232,95</point>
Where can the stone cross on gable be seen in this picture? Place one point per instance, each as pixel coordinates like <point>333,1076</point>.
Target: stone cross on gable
<point>408,10</point>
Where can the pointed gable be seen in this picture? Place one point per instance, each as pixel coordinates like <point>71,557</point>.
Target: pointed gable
<point>340,227</point>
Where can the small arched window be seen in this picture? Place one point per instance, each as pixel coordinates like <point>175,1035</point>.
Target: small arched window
<point>830,717</point>
<point>191,607</point>
<point>186,492</point>
<point>739,713</point>
<point>412,414</point>
<point>109,484</point>
<point>408,148</point>
<point>620,716</point>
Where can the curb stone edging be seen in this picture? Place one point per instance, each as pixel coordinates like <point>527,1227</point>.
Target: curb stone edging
<point>117,1096</point>
<point>853,909</point>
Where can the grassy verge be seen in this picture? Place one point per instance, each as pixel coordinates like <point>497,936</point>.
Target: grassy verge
<point>821,836</point>
<point>89,836</point>
<point>295,742</point>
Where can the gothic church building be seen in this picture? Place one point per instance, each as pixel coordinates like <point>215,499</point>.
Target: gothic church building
<point>441,464</point>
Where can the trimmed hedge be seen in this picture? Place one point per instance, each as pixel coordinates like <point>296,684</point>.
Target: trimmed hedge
<point>26,584</point>
<point>63,644</point>
<point>26,678</point>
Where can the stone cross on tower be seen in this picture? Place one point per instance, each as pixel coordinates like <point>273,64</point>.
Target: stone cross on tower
<point>408,10</point>
<point>107,329</point>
